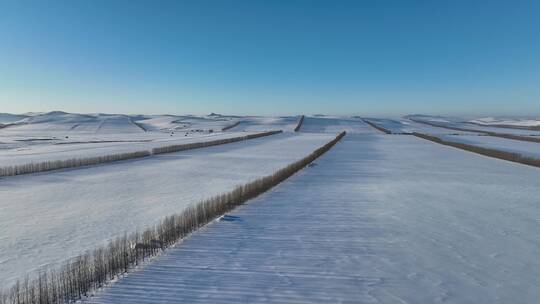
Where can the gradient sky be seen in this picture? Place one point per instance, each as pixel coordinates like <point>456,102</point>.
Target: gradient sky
<point>271,57</point>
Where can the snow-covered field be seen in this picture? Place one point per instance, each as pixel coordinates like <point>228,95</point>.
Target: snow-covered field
<point>47,218</point>
<point>286,123</point>
<point>474,124</point>
<point>58,123</point>
<point>530,149</point>
<point>334,124</point>
<point>523,132</point>
<point>179,123</point>
<point>380,219</point>
<point>83,149</point>
<point>67,128</point>
<point>60,136</point>
<point>505,121</point>
<point>403,125</point>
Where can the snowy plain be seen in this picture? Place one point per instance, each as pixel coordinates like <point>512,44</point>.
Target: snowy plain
<point>69,128</point>
<point>379,219</point>
<point>47,218</point>
<point>509,121</point>
<point>472,124</point>
<point>334,124</point>
<point>502,130</point>
<point>257,123</point>
<point>83,149</point>
<point>403,125</point>
<point>178,123</point>
<point>59,136</point>
<point>529,149</point>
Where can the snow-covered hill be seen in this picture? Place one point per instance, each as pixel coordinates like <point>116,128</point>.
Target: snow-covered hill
<point>6,118</point>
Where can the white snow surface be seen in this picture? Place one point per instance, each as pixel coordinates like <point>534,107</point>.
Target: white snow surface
<point>525,148</point>
<point>58,135</point>
<point>335,124</point>
<point>6,118</point>
<point>70,123</point>
<point>523,122</point>
<point>380,219</point>
<point>82,147</point>
<point>66,123</point>
<point>403,125</point>
<point>259,123</point>
<point>47,218</point>
<point>467,123</point>
<point>502,130</point>
<point>183,123</point>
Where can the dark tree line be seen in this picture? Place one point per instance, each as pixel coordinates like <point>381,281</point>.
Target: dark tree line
<point>300,123</point>
<point>505,126</point>
<point>509,156</point>
<point>196,145</point>
<point>384,130</point>
<point>69,163</point>
<point>489,133</point>
<point>80,276</point>
<point>89,161</point>
<point>230,126</point>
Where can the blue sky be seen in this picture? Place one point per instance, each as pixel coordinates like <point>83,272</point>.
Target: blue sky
<point>271,57</point>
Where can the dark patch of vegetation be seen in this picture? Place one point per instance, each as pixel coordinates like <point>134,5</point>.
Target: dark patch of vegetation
<point>231,126</point>
<point>139,125</point>
<point>532,128</point>
<point>34,139</point>
<point>494,134</point>
<point>384,130</point>
<point>89,161</point>
<point>509,156</point>
<point>102,141</point>
<point>80,276</point>
<point>69,163</point>
<point>299,125</point>
<point>196,145</point>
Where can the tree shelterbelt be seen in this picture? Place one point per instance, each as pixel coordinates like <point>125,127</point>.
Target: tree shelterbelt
<point>89,161</point>
<point>504,155</point>
<point>90,271</point>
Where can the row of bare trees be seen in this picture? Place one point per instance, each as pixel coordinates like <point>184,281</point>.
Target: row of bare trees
<point>299,125</point>
<point>80,276</point>
<point>69,163</point>
<point>489,133</point>
<point>196,145</point>
<point>509,156</point>
<point>230,126</point>
<point>88,161</point>
<point>384,130</point>
<point>506,126</point>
